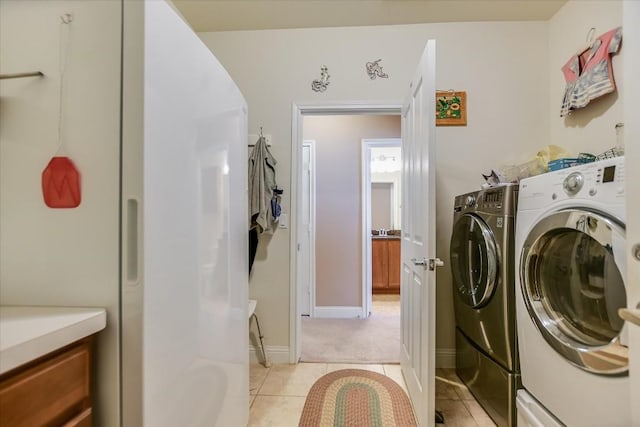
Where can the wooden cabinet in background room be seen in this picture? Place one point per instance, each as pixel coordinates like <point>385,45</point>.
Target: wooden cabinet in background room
<point>385,266</point>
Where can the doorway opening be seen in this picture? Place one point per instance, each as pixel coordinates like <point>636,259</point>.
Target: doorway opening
<point>419,262</point>
<point>381,214</point>
<point>332,223</point>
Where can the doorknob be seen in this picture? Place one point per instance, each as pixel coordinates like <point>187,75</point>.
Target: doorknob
<point>630,315</point>
<point>432,262</point>
<point>435,262</point>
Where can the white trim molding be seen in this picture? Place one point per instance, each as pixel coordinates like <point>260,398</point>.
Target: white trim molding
<point>445,357</point>
<point>275,353</point>
<point>338,312</point>
<point>297,111</point>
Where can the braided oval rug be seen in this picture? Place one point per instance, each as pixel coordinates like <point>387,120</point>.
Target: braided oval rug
<point>356,398</point>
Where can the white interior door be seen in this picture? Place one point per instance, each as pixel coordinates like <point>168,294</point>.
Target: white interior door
<point>307,255</point>
<point>418,280</point>
<point>631,16</point>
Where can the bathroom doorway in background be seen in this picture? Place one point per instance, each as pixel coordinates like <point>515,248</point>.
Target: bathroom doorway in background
<point>381,214</point>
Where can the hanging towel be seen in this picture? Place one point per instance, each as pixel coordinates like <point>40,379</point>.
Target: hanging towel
<point>262,181</point>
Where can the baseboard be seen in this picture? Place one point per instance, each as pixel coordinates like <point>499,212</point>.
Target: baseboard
<point>276,354</point>
<point>338,312</point>
<point>445,358</point>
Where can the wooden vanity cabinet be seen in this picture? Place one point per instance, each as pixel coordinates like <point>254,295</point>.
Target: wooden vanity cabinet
<point>393,246</point>
<point>54,390</point>
<point>379,265</point>
<point>385,266</point>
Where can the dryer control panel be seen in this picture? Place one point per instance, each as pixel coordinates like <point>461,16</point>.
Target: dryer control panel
<point>499,200</point>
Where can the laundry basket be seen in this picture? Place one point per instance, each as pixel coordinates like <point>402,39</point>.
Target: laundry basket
<point>582,158</point>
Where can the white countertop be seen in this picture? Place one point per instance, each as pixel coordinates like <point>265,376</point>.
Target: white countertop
<point>27,333</point>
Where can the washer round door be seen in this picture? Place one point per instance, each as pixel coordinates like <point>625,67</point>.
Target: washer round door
<point>474,260</point>
<point>571,274</point>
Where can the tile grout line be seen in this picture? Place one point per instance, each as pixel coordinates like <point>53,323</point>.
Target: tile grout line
<point>262,382</point>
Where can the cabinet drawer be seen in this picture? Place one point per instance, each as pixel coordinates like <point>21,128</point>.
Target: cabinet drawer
<point>48,393</point>
<point>82,420</point>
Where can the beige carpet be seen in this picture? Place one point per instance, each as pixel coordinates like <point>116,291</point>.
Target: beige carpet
<point>372,340</point>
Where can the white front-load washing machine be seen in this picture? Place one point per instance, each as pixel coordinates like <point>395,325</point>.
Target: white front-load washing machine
<point>570,283</point>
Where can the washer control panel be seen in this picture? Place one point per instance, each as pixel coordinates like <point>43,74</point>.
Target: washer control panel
<point>603,180</point>
<point>610,173</point>
<point>606,179</point>
<point>573,183</point>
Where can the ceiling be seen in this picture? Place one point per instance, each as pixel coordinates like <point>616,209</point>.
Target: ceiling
<point>231,15</point>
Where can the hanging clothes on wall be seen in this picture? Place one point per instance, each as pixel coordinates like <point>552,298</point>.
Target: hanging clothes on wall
<point>589,74</point>
<point>262,182</point>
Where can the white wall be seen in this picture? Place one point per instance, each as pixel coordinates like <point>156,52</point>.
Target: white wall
<point>590,129</point>
<point>500,65</point>
<point>381,205</point>
<point>66,257</point>
<point>632,134</point>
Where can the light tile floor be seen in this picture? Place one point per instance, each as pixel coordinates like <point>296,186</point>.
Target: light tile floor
<point>278,393</point>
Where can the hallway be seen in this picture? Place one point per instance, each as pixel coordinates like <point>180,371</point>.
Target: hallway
<point>372,340</point>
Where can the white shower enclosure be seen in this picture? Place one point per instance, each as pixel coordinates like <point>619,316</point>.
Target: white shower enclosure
<point>184,217</point>
<point>158,131</point>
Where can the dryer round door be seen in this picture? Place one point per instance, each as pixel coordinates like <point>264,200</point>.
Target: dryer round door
<point>571,274</point>
<point>474,260</point>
